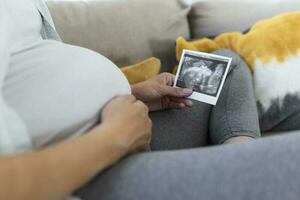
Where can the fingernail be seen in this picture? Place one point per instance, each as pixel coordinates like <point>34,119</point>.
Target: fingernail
<point>189,103</point>
<point>187,91</point>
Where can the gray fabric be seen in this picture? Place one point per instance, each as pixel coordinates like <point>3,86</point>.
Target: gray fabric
<point>127,31</point>
<point>212,17</point>
<point>48,32</point>
<point>180,129</point>
<point>264,169</point>
<point>235,114</point>
<point>283,115</point>
<point>191,173</point>
<point>48,29</point>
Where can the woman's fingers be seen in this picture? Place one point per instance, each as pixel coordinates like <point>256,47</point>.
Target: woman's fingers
<point>180,105</point>
<point>184,101</point>
<point>170,78</point>
<point>176,92</point>
<point>174,105</point>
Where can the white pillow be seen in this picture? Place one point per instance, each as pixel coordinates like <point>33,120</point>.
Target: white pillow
<point>212,17</point>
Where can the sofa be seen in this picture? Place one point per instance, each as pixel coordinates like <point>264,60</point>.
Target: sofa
<point>129,31</point>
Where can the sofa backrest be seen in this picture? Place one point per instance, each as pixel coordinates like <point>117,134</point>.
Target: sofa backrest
<point>124,31</point>
<point>212,17</point>
<point>128,31</point>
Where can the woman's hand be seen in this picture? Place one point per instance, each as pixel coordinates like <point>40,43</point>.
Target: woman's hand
<point>69,165</point>
<point>158,93</point>
<point>130,117</point>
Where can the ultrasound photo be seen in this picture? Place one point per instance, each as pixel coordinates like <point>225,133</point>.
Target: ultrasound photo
<point>204,73</point>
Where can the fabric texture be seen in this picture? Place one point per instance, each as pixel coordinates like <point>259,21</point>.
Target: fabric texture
<point>271,49</point>
<point>213,17</point>
<point>263,169</point>
<point>287,120</point>
<point>48,29</point>
<point>52,75</point>
<point>72,88</point>
<point>14,137</point>
<point>49,68</point>
<point>235,114</point>
<point>27,24</point>
<point>63,91</point>
<point>126,32</point>
<point>142,71</point>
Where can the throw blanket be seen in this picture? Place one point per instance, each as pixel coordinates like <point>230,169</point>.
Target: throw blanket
<point>271,49</point>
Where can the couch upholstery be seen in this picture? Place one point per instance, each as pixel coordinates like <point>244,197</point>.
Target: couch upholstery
<point>129,31</point>
<point>213,17</point>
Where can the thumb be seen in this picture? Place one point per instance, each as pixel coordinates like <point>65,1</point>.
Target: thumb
<point>176,92</point>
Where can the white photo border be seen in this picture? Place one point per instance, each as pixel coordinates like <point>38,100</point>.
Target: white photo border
<point>200,96</point>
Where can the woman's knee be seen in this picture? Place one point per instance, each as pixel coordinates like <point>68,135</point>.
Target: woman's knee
<point>236,63</point>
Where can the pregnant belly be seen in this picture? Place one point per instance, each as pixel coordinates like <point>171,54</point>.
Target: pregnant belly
<point>59,90</point>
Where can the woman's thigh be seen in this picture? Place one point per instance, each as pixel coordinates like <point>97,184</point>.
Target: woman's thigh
<point>263,169</point>
<point>179,129</point>
<point>234,115</point>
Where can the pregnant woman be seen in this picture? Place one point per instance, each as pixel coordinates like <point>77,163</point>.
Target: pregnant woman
<point>65,126</point>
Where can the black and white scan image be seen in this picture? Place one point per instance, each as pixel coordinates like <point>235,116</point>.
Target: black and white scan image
<point>204,73</point>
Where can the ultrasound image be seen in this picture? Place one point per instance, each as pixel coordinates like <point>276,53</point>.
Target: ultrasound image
<point>203,75</point>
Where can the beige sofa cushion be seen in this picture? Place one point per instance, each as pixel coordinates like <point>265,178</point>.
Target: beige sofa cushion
<point>212,17</point>
<point>125,31</point>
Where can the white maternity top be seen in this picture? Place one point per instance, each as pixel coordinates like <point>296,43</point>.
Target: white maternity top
<point>26,22</point>
<point>58,90</point>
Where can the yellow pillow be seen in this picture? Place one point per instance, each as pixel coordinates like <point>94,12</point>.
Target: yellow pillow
<point>273,39</point>
<point>271,49</point>
<point>142,71</point>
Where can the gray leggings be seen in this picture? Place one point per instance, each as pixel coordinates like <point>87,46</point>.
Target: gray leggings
<point>235,114</point>
<point>238,171</point>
